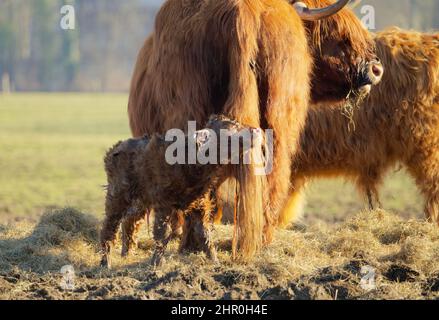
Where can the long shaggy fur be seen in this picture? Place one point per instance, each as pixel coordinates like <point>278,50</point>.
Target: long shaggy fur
<point>398,123</point>
<point>248,59</point>
<point>251,60</point>
<point>336,45</point>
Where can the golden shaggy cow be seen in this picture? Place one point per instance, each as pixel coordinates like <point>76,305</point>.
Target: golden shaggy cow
<point>398,123</point>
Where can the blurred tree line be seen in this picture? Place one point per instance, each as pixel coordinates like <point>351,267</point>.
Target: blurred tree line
<point>36,54</point>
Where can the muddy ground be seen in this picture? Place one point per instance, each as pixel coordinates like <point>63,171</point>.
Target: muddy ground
<point>320,261</point>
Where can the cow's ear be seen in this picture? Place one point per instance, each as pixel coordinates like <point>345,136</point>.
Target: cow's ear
<point>202,137</point>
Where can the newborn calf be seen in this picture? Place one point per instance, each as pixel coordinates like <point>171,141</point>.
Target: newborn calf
<point>140,179</point>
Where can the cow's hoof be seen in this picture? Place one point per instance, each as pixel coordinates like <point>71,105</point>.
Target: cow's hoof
<point>125,253</point>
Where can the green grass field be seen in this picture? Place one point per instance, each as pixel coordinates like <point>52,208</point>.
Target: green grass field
<point>52,146</point>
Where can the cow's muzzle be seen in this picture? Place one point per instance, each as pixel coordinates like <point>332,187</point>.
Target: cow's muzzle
<point>372,75</point>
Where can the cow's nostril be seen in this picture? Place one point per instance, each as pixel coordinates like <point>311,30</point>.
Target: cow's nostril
<point>377,71</point>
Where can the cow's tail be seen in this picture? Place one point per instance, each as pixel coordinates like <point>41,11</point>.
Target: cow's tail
<point>243,104</point>
<point>250,218</point>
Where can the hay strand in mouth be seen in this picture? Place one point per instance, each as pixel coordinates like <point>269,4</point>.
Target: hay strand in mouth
<point>353,102</point>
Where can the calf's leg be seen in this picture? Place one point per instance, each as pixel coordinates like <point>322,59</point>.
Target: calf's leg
<point>108,235</point>
<point>130,226</point>
<point>162,234</point>
<point>197,229</point>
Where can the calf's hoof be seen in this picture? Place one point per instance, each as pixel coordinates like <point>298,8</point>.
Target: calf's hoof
<point>157,259</point>
<point>214,259</point>
<point>105,262</point>
<point>212,255</point>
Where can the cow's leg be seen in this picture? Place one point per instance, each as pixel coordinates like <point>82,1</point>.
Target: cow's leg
<point>429,187</point>
<point>367,184</point>
<point>217,214</point>
<point>162,234</point>
<point>425,169</point>
<point>432,203</point>
<point>373,197</point>
<point>130,226</point>
<point>431,208</point>
<point>286,130</point>
<point>225,197</point>
<point>370,199</point>
<point>293,209</point>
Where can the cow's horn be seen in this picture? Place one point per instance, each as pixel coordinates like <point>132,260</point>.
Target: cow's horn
<point>317,14</point>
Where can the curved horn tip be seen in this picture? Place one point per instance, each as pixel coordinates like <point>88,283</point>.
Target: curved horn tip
<point>300,6</point>
<point>319,13</point>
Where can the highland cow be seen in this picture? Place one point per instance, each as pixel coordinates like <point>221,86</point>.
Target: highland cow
<point>141,178</point>
<point>397,124</point>
<point>251,60</point>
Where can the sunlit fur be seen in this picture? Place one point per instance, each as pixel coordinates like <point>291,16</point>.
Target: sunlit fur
<point>341,49</point>
<point>398,123</point>
<point>249,59</point>
<point>246,58</point>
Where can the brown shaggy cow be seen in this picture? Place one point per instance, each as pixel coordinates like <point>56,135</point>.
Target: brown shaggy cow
<point>398,123</point>
<point>251,60</point>
<point>140,179</point>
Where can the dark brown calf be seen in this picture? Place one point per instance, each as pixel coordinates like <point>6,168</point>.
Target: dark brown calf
<point>140,178</point>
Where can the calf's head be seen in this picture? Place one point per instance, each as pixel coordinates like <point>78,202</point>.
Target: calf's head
<point>228,138</point>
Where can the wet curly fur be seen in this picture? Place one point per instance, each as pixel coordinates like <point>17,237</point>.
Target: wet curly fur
<point>140,179</point>
<point>398,123</point>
